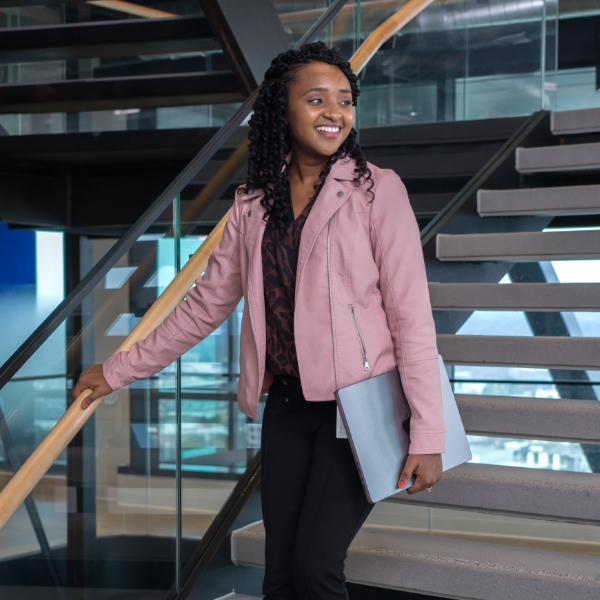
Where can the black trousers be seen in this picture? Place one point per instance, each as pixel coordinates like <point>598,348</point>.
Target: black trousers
<point>312,499</point>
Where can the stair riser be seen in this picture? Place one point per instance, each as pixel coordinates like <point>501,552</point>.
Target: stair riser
<point>451,568</point>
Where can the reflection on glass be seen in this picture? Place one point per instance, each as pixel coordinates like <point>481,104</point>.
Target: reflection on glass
<point>534,454</point>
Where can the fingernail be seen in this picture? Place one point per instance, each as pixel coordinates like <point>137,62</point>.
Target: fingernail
<point>402,484</point>
<point>84,405</point>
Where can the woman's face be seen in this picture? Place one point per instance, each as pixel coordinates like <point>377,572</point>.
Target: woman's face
<point>320,114</point>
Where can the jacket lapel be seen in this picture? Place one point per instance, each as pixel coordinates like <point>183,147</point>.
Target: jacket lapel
<point>253,224</point>
<point>333,195</point>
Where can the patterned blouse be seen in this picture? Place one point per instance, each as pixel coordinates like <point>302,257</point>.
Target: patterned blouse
<point>279,260</point>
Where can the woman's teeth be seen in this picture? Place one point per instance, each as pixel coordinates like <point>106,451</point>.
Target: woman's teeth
<point>329,129</point>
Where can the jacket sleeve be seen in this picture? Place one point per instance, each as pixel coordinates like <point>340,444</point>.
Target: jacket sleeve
<point>397,251</point>
<point>207,304</point>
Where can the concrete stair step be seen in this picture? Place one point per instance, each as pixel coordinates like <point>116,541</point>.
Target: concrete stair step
<point>541,297</point>
<point>575,121</point>
<point>542,352</point>
<point>569,200</point>
<point>533,418</point>
<point>519,247</point>
<point>449,568</point>
<point>535,493</point>
<point>571,157</point>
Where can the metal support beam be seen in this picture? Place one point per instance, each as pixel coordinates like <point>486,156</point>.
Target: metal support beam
<point>251,35</point>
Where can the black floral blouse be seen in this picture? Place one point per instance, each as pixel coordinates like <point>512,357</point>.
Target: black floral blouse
<point>280,260</point>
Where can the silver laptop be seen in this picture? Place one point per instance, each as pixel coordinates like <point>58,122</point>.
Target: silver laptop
<point>376,416</point>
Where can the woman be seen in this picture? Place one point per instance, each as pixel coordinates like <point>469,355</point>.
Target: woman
<point>326,252</point>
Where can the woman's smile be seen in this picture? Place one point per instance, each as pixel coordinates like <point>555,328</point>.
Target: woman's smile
<point>329,131</point>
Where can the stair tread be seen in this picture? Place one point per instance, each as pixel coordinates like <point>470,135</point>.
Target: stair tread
<point>545,352</point>
<point>560,200</point>
<point>516,296</point>
<point>519,246</point>
<point>449,567</point>
<point>533,418</point>
<point>121,92</point>
<point>571,157</point>
<point>575,121</point>
<point>527,492</point>
<point>104,39</point>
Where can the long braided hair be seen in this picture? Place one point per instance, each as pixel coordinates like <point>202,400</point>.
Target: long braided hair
<point>270,140</point>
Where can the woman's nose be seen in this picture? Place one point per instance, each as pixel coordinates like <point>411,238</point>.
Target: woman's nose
<point>332,111</point>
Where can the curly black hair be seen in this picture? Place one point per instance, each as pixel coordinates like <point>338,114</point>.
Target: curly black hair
<point>270,140</point>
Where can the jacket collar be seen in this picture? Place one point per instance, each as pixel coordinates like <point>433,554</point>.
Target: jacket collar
<point>333,195</point>
<point>342,170</point>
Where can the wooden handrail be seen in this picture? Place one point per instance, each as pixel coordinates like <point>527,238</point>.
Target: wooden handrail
<point>42,458</point>
<point>296,16</point>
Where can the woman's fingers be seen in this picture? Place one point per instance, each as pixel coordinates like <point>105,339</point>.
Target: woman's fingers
<point>427,469</point>
<point>91,379</point>
<point>408,471</point>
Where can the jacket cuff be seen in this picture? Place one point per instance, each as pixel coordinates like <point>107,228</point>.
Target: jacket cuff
<point>427,442</point>
<point>115,373</point>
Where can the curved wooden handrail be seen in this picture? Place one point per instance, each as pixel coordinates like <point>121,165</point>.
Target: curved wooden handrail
<point>296,16</point>
<point>42,458</point>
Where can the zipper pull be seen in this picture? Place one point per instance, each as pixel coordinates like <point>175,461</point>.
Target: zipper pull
<point>366,362</point>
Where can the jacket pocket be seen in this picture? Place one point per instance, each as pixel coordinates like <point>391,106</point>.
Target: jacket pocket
<point>361,343</point>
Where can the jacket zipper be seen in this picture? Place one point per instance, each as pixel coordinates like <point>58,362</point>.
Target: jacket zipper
<point>249,303</point>
<point>335,358</point>
<point>360,338</point>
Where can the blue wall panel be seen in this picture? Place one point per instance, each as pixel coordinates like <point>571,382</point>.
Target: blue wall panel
<point>17,256</point>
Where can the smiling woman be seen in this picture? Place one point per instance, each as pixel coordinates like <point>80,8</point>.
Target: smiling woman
<point>325,250</point>
<point>305,109</point>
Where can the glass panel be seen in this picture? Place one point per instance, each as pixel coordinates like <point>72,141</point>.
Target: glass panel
<point>217,440</point>
<point>107,499</point>
<point>458,61</point>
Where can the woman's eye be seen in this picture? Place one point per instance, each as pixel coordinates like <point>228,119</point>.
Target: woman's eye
<point>346,102</point>
<point>315,101</point>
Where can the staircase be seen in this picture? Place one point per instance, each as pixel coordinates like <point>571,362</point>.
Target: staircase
<point>497,228</point>
<point>133,67</point>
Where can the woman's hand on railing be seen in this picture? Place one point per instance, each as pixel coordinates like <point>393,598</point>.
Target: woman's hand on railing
<point>92,379</point>
<point>427,469</point>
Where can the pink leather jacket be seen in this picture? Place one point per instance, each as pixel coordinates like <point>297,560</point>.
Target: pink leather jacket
<point>362,302</point>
